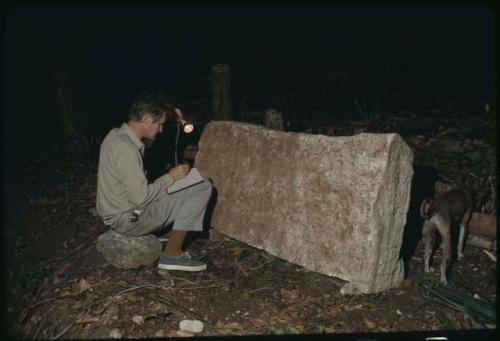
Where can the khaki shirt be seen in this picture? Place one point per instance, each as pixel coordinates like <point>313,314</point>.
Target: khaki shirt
<point>122,185</point>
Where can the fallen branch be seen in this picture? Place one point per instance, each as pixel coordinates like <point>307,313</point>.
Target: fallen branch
<point>259,289</point>
<point>42,323</point>
<point>204,287</point>
<point>241,269</point>
<point>261,265</point>
<point>492,257</point>
<point>65,330</point>
<point>212,250</point>
<point>166,301</point>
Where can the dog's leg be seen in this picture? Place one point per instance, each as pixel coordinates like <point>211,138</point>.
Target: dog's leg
<point>428,237</point>
<point>444,225</point>
<point>463,229</point>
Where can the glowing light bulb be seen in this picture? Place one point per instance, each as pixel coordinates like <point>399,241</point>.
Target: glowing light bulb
<point>188,127</point>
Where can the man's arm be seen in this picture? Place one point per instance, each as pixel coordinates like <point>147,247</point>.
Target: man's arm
<point>139,192</point>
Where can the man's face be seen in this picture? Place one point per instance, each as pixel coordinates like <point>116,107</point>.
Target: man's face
<point>152,128</point>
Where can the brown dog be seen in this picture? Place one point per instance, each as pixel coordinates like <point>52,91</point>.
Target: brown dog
<point>441,214</point>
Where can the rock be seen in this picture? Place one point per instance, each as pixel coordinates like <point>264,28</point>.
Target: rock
<point>160,333</point>
<point>115,334</point>
<point>128,252</point>
<point>183,333</point>
<point>192,326</point>
<point>334,205</point>
<point>138,319</point>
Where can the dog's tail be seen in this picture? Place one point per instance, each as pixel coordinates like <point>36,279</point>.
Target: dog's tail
<point>426,208</point>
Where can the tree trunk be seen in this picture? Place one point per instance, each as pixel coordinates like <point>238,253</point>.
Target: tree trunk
<point>222,104</point>
<point>273,119</point>
<point>64,101</point>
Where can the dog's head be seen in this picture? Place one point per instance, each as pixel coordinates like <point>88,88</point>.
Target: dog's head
<point>426,208</point>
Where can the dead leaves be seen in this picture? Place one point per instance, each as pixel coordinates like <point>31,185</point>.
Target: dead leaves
<point>406,284</point>
<point>369,323</point>
<point>83,286</point>
<point>289,295</point>
<point>60,271</point>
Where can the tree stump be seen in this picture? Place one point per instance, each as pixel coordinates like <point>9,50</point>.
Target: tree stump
<point>222,104</point>
<point>273,119</point>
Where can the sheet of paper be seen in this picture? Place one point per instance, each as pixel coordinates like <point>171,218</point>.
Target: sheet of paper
<point>191,179</point>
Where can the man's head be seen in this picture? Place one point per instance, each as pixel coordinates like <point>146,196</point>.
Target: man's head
<point>148,114</point>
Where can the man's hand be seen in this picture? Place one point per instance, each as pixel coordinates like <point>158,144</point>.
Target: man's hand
<point>179,172</point>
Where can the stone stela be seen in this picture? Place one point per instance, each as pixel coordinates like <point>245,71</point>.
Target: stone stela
<point>334,205</point>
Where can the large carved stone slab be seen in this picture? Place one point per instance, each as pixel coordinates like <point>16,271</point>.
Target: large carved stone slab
<point>335,205</point>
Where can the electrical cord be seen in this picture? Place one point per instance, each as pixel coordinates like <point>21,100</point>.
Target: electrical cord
<point>176,141</point>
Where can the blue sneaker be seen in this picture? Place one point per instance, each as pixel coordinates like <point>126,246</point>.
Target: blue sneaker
<point>184,262</point>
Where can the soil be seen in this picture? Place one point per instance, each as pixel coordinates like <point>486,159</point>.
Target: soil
<point>58,285</point>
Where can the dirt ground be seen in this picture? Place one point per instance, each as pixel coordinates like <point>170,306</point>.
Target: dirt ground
<point>58,286</point>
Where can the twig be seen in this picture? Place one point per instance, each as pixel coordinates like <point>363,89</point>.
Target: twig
<point>212,250</point>
<point>205,281</point>
<point>42,323</point>
<point>492,256</point>
<point>259,289</point>
<point>51,299</point>
<point>152,286</point>
<point>65,330</point>
<point>241,268</point>
<point>260,266</point>
<point>42,302</point>
<point>483,121</point>
<point>183,279</point>
<point>204,287</point>
<point>58,261</point>
<point>164,300</point>
<point>446,179</point>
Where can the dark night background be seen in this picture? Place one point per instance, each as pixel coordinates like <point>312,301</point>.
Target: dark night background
<point>113,52</point>
<point>427,72</point>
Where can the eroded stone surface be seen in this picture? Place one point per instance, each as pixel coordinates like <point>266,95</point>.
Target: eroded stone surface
<point>128,252</point>
<point>335,205</point>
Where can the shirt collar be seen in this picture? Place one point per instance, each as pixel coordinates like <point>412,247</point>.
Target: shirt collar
<point>133,137</point>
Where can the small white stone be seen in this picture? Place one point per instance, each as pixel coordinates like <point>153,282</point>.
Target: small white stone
<point>183,333</point>
<point>193,326</point>
<point>115,333</point>
<point>160,333</point>
<point>399,312</point>
<point>138,320</point>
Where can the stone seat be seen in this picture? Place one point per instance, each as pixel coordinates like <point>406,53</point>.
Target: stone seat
<point>128,252</point>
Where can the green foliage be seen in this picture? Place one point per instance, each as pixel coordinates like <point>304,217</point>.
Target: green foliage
<point>365,111</point>
<point>480,310</point>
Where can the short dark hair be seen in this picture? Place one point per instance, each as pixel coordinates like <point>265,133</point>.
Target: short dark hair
<point>155,103</point>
